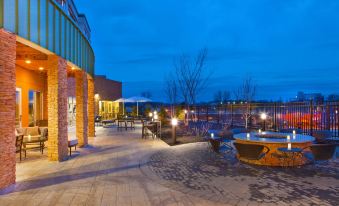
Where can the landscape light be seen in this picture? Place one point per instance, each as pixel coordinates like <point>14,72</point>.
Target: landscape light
<point>185,111</point>
<point>174,122</point>
<point>150,114</point>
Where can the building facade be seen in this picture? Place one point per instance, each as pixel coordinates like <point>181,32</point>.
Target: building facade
<point>106,92</point>
<point>42,44</point>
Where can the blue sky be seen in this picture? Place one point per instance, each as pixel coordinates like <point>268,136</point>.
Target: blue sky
<point>285,45</point>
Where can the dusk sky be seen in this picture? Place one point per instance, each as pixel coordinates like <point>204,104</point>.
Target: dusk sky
<point>285,45</point>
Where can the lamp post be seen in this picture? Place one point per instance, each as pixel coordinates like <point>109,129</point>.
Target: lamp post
<point>263,116</point>
<point>174,125</point>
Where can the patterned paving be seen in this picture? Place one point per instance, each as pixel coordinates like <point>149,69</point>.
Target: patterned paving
<point>193,169</point>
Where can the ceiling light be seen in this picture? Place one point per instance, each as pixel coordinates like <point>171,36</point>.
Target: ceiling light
<point>28,61</point>
<point>41,68</point>
<point>73,68</point>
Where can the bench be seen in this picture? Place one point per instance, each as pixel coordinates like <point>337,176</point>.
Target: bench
<point>72,143</point>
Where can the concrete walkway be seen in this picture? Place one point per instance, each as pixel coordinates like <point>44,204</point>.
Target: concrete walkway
<point>107,172</point>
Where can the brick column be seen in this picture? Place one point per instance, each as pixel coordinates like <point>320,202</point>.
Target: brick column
<point>7,108</point>
<point>91,128</point>
<point>57,109</point>
<point>81,93</point>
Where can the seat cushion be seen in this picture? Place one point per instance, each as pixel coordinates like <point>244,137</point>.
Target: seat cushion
<point>32,138</point>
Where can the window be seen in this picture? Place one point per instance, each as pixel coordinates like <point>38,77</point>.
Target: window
<point>34,107</point>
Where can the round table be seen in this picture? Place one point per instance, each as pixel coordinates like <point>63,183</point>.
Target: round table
<point>274,141</point>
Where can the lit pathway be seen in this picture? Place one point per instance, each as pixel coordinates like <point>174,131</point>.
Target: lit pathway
<point>105,173</point>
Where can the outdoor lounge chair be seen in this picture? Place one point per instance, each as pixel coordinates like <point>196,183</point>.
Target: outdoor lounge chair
<point>251,151</point>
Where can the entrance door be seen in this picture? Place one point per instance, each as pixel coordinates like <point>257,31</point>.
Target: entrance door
<point>18,107</point>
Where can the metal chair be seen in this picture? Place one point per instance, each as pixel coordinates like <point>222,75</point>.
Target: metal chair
<point>251,151</point>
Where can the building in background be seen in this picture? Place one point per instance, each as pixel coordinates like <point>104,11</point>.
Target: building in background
<point>42,43</point>
<point>106,92</point>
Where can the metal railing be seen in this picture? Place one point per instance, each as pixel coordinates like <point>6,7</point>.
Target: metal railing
<point>307,116</point>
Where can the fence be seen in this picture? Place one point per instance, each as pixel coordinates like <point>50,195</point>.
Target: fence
<point>307,116</point>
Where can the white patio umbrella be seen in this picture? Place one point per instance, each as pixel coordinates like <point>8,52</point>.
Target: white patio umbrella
<point>138,99</point>
<point>122,100</point>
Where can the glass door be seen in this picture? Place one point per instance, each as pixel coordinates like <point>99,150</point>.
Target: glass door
<point>18,111</point>
<point>34,107</point>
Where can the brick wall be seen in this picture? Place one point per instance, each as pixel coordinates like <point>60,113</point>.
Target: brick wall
<point>81,93</point>
<point>57,109</point>
<point>7,108</point>
<point>91,129</point>
<point>107,89</point>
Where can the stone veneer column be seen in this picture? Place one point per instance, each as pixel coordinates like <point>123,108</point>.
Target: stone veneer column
<point>57,109</point>
<point>91,123</point>
<point>81,94</point>
<point>7,108</point>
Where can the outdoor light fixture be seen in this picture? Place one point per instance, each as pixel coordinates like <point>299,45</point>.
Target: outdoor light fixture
<point>96,96</point>
<point>192,111</point>
<point>212,135</point>
<point>73,68</point>
<point>288,137</point>
<point>155,117</point>
<point>41,68</point>
<point>259,131</point>
<point>294,132</point>
<point>27,61</point>
<point>185,111</point>
<point>150,114</point>
<point>174,122</point>
<point>263,116</point>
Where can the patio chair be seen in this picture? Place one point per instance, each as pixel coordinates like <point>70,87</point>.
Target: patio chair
<point>322,136</point>
<point>320,152</point>
<point>217,146</point>
<point>251,151</point>
<point>18,144</point>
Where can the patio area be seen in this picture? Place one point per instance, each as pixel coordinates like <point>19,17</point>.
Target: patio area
<point>120,168</point>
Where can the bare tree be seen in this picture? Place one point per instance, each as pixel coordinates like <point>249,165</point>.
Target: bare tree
<point>192,77</point>
<point>246,93</point>
<point>171,90</point>
<point>222,96</point>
